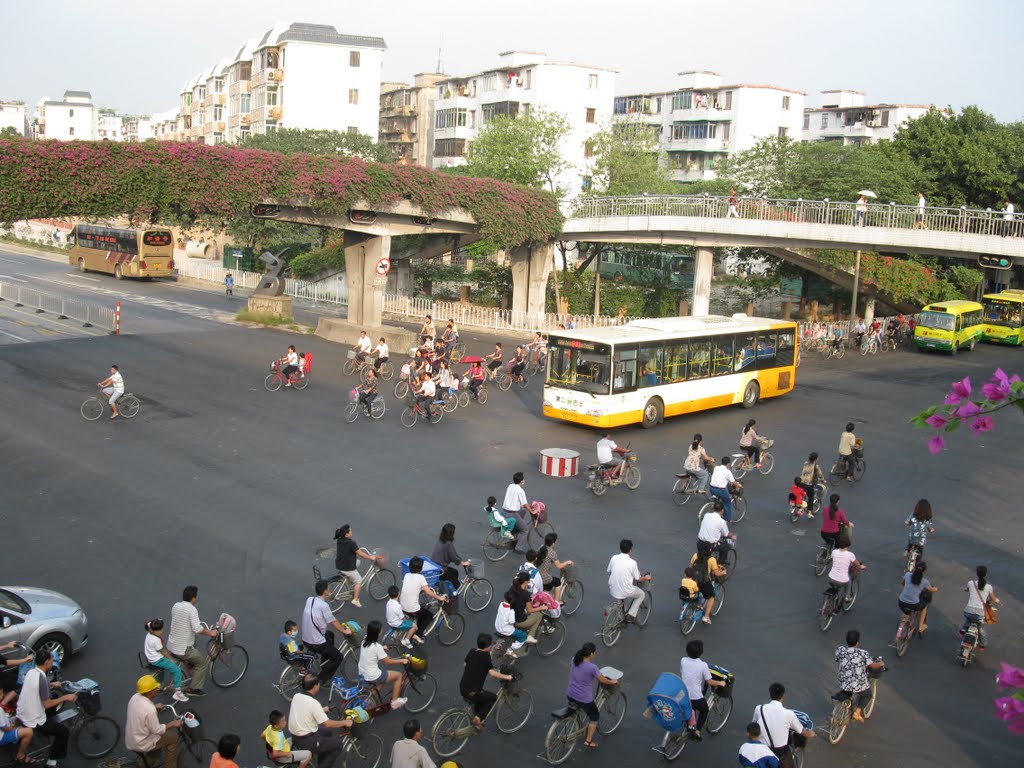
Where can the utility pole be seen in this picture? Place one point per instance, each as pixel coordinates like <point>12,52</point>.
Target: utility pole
<point>853,300</point>
<point>597,285</point>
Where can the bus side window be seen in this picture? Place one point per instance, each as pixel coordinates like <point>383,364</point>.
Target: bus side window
<point>767,347</point>
<point>652,364</point>
<point>723,355</point>
<point>624,367</point>
<point>700,354</point>
<point>675,361</point>
<point>784,353</point>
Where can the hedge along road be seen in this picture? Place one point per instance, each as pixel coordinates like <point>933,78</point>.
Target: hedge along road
<point>222,484</point>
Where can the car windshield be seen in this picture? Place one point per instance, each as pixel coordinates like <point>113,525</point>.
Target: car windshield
<point>1006,313</point>
<point>939,321</point>
<point>581,366</point>
<point>11,602</point>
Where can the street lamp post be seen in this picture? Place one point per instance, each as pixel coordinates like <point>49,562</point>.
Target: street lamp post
<point>853,300</point>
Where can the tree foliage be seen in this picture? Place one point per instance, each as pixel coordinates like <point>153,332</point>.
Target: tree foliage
<point>323,143</point>
<point>627,161</point>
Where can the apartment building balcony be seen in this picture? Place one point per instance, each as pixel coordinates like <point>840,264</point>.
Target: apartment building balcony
<point>693,174</point>
<point>508,93</point>
<point>245,119</point>
<point>701,113</point>
<point>454,132</point>
<point>454,102</point>
<point>698,145</point>
<point>219,99</point>
<point>239,87</point>
<point>267,77</point>
<point>275,113</point>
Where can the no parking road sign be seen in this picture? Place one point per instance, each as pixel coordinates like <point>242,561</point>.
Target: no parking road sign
<point>383,267</point>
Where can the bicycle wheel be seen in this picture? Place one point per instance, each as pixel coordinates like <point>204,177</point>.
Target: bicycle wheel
<point>837,472</point>
<point>730,558</point>
<point>718,713</point>
<point>838,721</point>
<point>598,486</point>
<point>869,708</point>
<point>673,744</point>
<point>613,711</point>
<point>825,615</point>
<point>402,389</point>
<point>365,751</point>
<point>561,739</point>
<point>631,477</point>
<point>531,368</point>
<point>348,367</point>
<point>535,535</point>
<point>449,734</point>
<point>548,644</point>
<point>513,711</point>
<point>97,736</point>
<point>739,467</point>
<point>903,634</point>
<point>290,681</point>
<point>481,395</point>
<point>572,596</point>
<point>128,406</point>
<point>767,463</point>
<point>409,417</point>
<point>377,408</point>
<point>504,381</point>
<point>229,666</point>
<point>351,412</point>
<point>386,371</point>
<point>339,592</point>
<point>688,618</point>
<point>379,583</point>
<point>463,398</point>
<point>301,382</point>
<point>421,692</point>
<point>522,380</point>
<point>739,508</point>
<point>840,351</point>
<point>451,629</point>
<point>851,593</point>
<point>611,630</point>
<point>197,754</point>
<point>451,402</point>
<point>704,510</point>
<point>478,595</point>
<point>92,409</point>
<point>495,546</point>
<point>645,609</point>
<point>864,349</point>
<point>435,413</point>
<point>679,494</point>
<point>859,468</point>
<point>822,560</point>
<point>458,351</point>
<point>719,598</point>
<point>273,382</point>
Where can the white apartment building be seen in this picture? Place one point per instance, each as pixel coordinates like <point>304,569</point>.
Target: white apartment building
<point>138,129</point>
<point>296,75</point>
<point>13,115</point>
<point>407,118</point>
<point>704,120</point>
<point>845,117</point>
<point>109,126</point>
<point>75,117</point>
<point>523,81</point>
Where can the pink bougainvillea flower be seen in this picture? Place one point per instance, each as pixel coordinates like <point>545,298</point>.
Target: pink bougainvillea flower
<point>1010,676</point>
<point>981,424</point>
<point>996,390</point>
<point>1011,711</point>
<point>936,444</point>
<point>962,388</point>
<point>967,409</point>
<point>937,420</point>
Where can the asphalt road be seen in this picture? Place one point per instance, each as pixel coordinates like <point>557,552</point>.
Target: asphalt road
<point>222,484</point>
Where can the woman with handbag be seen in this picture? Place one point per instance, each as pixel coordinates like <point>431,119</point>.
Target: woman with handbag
<point>834,523</point>
<point>981,600</point>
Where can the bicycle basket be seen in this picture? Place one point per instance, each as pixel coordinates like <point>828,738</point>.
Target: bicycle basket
<point>353,394</point>
<point>569,573</point>
<point>88,692</point>
<point>418,664</point>
<point>476,569</point>
<point>194,724</point>
<point>227,639</point>
<point>351,354</point>
<point>765,443</point>
<point>382,557</point>
<point>358,715</point>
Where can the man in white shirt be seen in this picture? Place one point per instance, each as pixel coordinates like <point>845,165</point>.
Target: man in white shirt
<point>606,450</point>
<point>181,638</point>
<point>382,352</point>
<point>316,619</point>
<point>312,729</point>
<point>515,504</point>
<point>414,583</point>
<point>1008,210</point>
<point>623,574</point>
<point>721,479</point>
<point>776,722</point>
<point>714,531</point>
<point>143,731</point>
<point>113,387</point>
<point>36,708</point>
<point>919,214</point>
<point>426,391</point>
<point>362,346</point>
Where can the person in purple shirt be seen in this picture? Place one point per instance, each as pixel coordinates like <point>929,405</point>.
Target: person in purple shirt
<point>582,674</point>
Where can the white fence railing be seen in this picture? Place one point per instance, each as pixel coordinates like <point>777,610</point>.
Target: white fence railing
<point>332,291</point>
<point>61,307</point>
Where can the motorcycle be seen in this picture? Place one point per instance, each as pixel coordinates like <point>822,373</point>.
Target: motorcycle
<point>599,479</point>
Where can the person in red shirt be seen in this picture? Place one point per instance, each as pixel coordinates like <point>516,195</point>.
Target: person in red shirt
<point>798,497</point>
<point>832,518</point>
<point>227,751</point>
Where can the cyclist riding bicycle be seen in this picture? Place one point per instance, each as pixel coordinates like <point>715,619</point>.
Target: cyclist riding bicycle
<point>538,347</point>
<point>776,722</point>
<point>381,352</point>
<point>697,461</point>
<point>837,337</point>
<point>844,566</point>
<point>518,362</point>
<point>860,329</point>
<point>583,672</point>
<point>847,445</point>
<point>425,393</point>
<point>920,524</point>
<point>722,483</point>
<point>449,337</point>
<point>854,663</point>
<point>714,530</point>
<point>494,359</point>
<point>476,375</point>
<point>476,668</point>
<point>346,559</point>
<point>832,521</point>
<point>917,594</point>
<point>113,386</point>
<point>368,390</point>
<point>750,442</point>
<point>427,331</point>
<point>810,476</point>
<point>606,450</point>
<point>362,346</point>
<point>706,571</point>
<point>623,577</point>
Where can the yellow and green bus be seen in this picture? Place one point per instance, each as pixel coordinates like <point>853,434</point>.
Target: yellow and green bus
<point>122,252</point>
<point>949,326</point>
<point>1003,315</point>
<point>645,370</point>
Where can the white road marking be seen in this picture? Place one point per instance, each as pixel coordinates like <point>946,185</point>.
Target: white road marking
<point>15,279</point>
<point>80,277</point>
<point>5,333</point>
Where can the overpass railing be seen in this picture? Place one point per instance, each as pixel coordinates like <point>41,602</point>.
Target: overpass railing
<point>886,215</point>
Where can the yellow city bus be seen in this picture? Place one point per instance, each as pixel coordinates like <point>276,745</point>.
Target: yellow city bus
<point>122,252</point>
<point>949,326</point>
<point>1003,314</point>
<point>645,370</point>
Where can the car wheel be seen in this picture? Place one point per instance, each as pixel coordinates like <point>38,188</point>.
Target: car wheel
<point>58,645</point>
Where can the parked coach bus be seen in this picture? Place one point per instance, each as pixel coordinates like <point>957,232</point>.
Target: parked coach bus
<point>949,326</point>
<point>648,369</point>
<point>122,252</point>
<point>1003,312</point>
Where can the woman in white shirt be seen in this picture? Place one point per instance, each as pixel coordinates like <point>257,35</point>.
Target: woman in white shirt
<point>370,656</point>
<point>696,461</point>
<point>979,592</point>
<point>842,560</point>
<point>750,443</point>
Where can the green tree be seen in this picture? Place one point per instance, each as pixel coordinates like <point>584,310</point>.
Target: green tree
<point>320,142</point>
<point>627,161</point>
<point>9,132</point>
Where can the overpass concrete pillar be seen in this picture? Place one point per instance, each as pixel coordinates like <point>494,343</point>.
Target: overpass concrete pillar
<point>703,267</point>
<point>365,285</point>
<point>869,309</point>
<point>400,280</point>
<point>531,266</point>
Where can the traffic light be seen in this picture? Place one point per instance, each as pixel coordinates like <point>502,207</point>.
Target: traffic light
<point>996,262</point>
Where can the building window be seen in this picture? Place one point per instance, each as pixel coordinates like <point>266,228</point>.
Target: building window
<point>218,85</point>
<point>353,129</point>
<point>353,95</point>
<point>726,131</point>
<point>491,82</point>
<point>243,135</point>
<point>271,97</point>
<point>353,58</point>
<point>591,115</point>
<point>449,147</point>
<point>218,113</point>
<point>588,183</point>
<point>728,100</point>
<point>591,81</point>
<point>657,105</point>
<point>682,100</point>
<point>527,79</point>
<point>245,102</point>
<point>824,121</point>
<point>785,103</point>
<point>885,118</point>
<point>783,131</point>
<point>452,118</point>
<point>588,148</point>
<point>807,121</point>
<point>71,113</point>
<point>500,109</point>
<point>71,131</point>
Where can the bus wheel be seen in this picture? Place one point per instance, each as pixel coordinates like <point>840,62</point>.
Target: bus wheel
<point>974,343</point>
<point>81,265</point>
<point>117,272</point>
<point>653,413</point>
<point>751,394</point>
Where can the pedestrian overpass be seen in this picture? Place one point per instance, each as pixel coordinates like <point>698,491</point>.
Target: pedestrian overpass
<point>785,226</point>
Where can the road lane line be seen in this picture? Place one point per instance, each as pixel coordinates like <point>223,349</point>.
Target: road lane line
<point>80,277</point>
<point>15,279</point>
<point>5,333</point>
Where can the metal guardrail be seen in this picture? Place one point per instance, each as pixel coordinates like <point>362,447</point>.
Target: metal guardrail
<point>886,215</point>
<point>332,291</point>
<point>63,308</point>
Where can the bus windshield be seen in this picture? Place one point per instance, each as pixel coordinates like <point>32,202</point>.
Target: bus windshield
<point>1006,313</point>
<point>582,366</point>
<point>939,321</point>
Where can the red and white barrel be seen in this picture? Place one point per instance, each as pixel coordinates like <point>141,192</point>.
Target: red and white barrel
<point>559,462</point>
